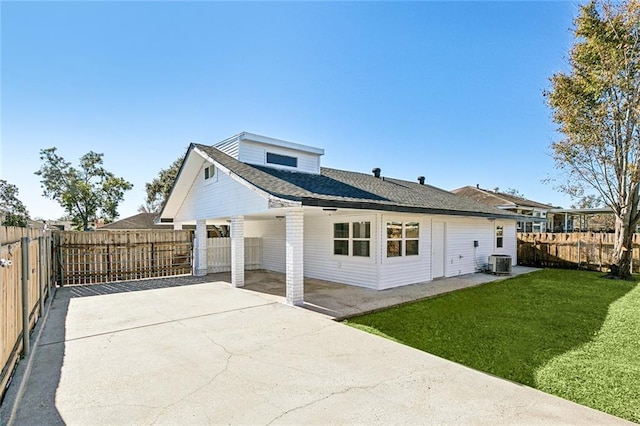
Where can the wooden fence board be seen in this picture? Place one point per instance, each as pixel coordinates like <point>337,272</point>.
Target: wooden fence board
<point>12,234</point>
<point>38,285</point>
<point>577,250</point>
<point>99,257</point>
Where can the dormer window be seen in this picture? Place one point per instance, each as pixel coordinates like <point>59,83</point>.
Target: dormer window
<point>209,171</point>
<point>282,160</point>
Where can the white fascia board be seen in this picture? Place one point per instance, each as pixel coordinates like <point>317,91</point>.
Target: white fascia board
<point>175,187</point>
<point>272,199</point>
<point>279,142</point>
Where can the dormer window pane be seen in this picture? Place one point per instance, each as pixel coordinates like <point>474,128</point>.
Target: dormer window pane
<point>282,160</point>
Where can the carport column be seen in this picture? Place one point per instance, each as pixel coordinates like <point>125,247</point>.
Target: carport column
<point>295,258</point>
<point>200,249</point>
<point>237,251</point>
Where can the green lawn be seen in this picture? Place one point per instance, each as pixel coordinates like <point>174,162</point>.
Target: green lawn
<point>569,333</point>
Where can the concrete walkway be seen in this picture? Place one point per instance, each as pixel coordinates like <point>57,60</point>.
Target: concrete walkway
<point>342,301</point>
<point>211,354</point>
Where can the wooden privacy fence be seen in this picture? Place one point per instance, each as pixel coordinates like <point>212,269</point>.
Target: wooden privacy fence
<point>105,256</point>
<point>12,234</point>
<point>219,254</point>
<point>577,250</point>
<point>25,283</point>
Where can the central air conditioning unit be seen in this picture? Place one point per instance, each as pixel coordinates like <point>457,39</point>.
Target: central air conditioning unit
<point>500,264</point>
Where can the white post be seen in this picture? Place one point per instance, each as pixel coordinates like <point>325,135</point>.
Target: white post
<point>200,249</point>
<point>237,251</point>
<point>295,257</point>
<point>177,226</point>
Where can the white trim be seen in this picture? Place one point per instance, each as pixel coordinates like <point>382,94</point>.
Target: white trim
<point>278,142</point>
<point>403,221</point>
<point>350,258</point>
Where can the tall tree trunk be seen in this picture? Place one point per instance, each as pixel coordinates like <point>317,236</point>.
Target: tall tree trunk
<point>626,222</point>
<point>623,249</point>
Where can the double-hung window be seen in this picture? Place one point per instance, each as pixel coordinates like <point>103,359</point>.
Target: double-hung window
<point>499,236</point>
<point>403,239</point>
<point>352,239</point>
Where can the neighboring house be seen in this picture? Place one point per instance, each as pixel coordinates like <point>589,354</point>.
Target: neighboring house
<point>539,221</point>
<point>599,219</point>
<point>136,222</point>
<point>146,221</point>
<point>360,229</point>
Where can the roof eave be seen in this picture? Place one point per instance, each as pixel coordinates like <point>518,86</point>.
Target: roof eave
<point>363,205</point>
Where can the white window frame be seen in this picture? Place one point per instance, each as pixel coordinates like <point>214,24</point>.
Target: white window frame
<point>499,227</point>
<point>209,172</point>
<point>350,239</point>
<point>403,238</point>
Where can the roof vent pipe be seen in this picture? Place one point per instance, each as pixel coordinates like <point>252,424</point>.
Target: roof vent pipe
<point>421,180</point>
<point>376,172</point>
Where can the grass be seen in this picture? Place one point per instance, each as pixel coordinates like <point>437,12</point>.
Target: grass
<point>570,333</point>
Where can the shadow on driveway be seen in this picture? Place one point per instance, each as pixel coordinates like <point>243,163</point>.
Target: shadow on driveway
<point>46,366</point>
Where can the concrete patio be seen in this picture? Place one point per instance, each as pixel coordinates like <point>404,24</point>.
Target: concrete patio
<point>342,301</point>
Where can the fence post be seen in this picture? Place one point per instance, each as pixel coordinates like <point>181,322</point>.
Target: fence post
<point>41,269</point>
<point>24,242</point>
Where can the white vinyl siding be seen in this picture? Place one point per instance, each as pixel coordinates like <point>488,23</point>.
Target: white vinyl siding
<point>509,245</point>
<point>461,256</point>
<point>272,233</point>
<point>229,147</point>
<point>321,263</point>
<point>404,270</point>
<point>256,153</point>
<point>224,197</point>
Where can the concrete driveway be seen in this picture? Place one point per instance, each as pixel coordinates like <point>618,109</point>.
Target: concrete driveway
<point>211,354</point>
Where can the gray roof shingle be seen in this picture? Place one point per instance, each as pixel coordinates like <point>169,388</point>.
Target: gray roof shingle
<point>345,189</point>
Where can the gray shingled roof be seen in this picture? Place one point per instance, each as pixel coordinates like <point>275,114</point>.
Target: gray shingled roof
<point>345,189</point>
<point>494,198</point>
<point>138,221</point>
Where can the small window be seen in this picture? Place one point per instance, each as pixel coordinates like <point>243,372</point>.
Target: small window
<point>341,239</point>
<point>394,239</point>
<point>411,235</point>
<point>403,239</point>
<point>283,160</point>
<point>209,171</point>
<point>352,238</point>
<point>361,238</point>
<point>499,236</point>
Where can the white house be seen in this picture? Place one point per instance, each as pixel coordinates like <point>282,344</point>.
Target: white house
<point>354,228</point>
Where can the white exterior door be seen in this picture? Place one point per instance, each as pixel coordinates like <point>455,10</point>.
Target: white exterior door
<point>437,249</point>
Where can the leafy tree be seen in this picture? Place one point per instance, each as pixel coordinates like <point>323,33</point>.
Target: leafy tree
<point>158,189</point>
<point>13,211</point>
<point>597,107</point>
<point>86,193</point>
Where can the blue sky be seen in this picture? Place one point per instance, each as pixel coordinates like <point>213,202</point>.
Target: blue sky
<point>448,90</point>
